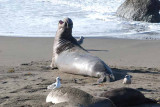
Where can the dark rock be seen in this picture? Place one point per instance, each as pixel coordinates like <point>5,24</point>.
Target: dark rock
<point>4,82</point>
<point>6,97</point>
<point>140,10</point>
<point>26,64</point>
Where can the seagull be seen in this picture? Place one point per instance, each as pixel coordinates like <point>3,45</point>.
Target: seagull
<point>57,84</point>
<point>127,79</point>
<point>80,40</point>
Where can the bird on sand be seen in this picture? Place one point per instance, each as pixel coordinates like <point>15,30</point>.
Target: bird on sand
<point>57,84</point>
<point>127,79</point>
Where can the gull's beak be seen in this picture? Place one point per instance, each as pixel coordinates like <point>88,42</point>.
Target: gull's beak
<point>60,79</point>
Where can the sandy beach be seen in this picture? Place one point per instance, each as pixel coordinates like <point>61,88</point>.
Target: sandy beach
<point>24,76</point>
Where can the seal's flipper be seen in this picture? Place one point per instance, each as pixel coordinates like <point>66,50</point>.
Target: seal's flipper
<point>103,79</point>
<point>53,66</point>
<point>108,79</point>
<point>112,77</point>
<point>80,40</point>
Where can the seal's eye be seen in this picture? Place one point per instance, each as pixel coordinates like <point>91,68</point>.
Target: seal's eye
<point>61,22</point>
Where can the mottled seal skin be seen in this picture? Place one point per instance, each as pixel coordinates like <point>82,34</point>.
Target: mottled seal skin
<point>70,57</point>
<point>74,97</point>
<point>124,97</point>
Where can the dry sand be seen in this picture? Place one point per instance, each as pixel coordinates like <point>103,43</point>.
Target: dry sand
<point>24,76</point>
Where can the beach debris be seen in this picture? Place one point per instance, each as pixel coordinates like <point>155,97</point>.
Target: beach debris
<point>57,84</point>
<point>101,85</point>
<point>46,67</point>
<point>77,81</point>
<point>25,64</point>
<point>28,74</point>
<point>6,97</point>
<point>127,79</point>
<point>11,70</point>
<point>4,82</point>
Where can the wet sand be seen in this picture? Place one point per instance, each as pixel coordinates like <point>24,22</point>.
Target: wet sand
<point>24,76</point>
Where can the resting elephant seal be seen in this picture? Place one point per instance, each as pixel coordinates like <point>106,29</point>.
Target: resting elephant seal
<point>73,97</point>
<point>124,97</point>
<point>70,57</point>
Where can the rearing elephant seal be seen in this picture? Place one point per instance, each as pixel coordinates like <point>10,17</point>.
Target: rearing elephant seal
<point>70,57</point>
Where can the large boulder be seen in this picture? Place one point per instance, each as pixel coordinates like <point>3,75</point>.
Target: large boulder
<point>140,10</point>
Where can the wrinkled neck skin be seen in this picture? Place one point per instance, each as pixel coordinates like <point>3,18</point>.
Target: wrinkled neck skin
<point>66,34</point>
<point>64,39</point>
<point>63,36</point>
<point>63,33</point>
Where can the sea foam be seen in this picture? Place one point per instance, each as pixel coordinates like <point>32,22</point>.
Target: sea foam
<point>91,18</point>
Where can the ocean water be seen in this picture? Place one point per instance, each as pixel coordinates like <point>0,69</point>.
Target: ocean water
<point>91,18</point>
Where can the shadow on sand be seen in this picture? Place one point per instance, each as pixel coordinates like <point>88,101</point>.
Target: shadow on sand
<point>120,73</point>
<point>97,50</point>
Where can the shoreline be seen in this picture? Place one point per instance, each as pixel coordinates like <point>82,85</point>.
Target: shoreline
<point>90,37</point>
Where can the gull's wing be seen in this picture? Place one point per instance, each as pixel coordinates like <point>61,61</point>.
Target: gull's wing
<point>52,86</point>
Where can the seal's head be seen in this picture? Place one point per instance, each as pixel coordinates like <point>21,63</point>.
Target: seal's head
<point>65,28</point>
<point>66,23</point>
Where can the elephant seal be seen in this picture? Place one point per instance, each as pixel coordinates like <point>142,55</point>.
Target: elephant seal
<point>70,57</point>
<point>76,98</point>
<point>124,97</point>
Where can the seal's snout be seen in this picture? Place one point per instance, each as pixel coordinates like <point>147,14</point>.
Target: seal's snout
<point>61,22</point>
